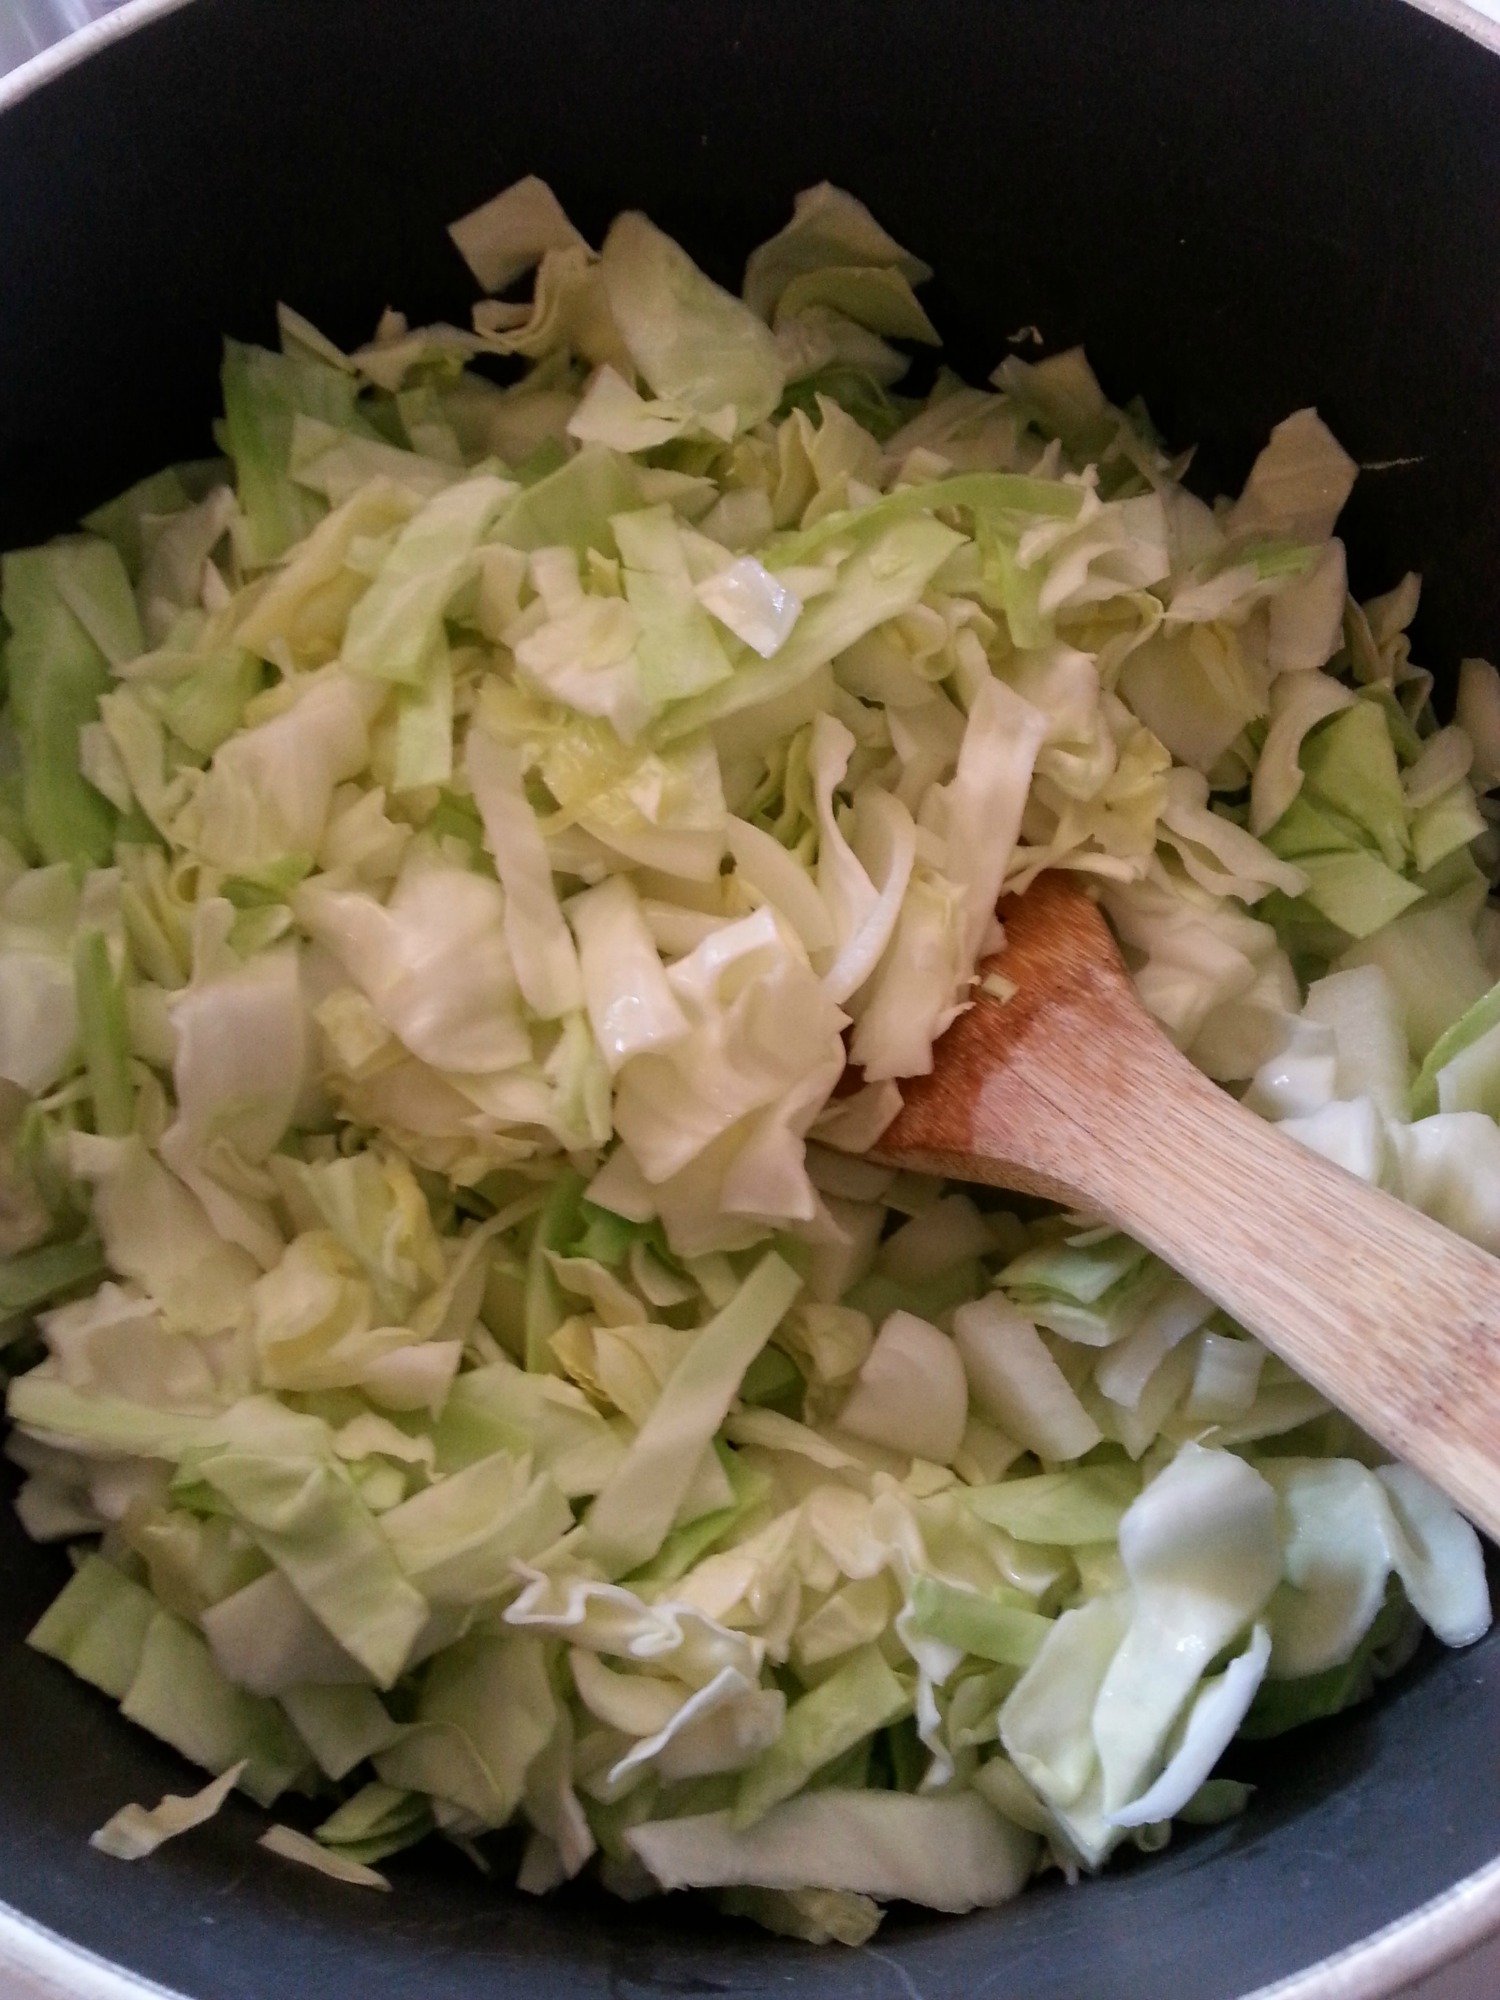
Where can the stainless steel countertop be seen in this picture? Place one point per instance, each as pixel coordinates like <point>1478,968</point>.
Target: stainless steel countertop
<point>29,26</point>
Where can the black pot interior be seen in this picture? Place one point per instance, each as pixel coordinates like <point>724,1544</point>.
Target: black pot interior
<point>1242,206</point>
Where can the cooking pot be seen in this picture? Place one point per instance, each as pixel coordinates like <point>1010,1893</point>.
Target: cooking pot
<point>1241,206</point>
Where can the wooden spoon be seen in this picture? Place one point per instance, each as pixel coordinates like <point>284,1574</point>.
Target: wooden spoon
<point>1070,1090</point>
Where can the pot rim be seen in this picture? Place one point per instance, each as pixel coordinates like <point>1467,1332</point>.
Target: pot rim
<point>38,1964</point>
<point>41,1965</point>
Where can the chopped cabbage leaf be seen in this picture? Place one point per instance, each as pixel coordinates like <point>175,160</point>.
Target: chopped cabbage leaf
<point>294,1846</point>
<point>136,1831</point>
<point>950,1852</point>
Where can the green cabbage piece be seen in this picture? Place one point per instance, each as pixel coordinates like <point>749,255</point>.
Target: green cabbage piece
<point>264,395</point>
<point>112,1633</point>
<point>70,615</point>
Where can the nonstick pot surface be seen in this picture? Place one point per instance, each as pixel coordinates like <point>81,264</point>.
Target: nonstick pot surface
<point>1242,206</point>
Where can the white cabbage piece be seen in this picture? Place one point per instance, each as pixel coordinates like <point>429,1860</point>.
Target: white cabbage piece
<point>433,961</point>
<point>910,1394</point>
<point>1089,1722</point>
<point>1298,484</point>
<point>506,236</point>
<point>266,796</point>
<point>715,1122</point>
<point>136,1831</point>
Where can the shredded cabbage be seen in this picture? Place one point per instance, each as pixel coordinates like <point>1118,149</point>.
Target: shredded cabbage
<point>452,849</point>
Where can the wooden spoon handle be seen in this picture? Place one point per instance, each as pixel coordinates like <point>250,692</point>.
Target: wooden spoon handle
<point>1394,1318</point>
